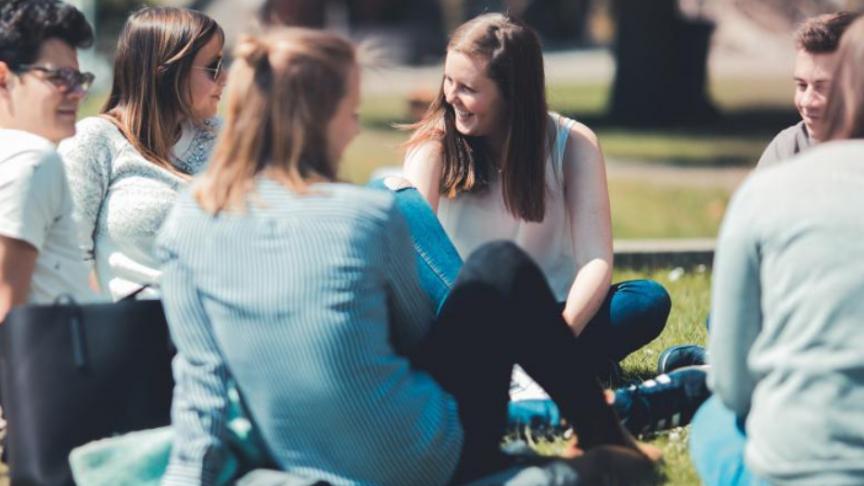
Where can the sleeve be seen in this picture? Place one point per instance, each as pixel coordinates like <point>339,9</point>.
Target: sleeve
<point>200,407</point>
<point>88,158</point>
<point>736,312</point>
<point>32,184</point>
<point>410,308</point>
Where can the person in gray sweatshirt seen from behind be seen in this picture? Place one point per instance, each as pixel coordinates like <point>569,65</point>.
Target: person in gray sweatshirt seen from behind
<point>787,305</point>
<point>815,59</point>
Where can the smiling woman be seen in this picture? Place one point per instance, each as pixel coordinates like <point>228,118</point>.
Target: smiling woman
<point>156,130</point>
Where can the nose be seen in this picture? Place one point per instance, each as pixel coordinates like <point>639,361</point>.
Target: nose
<point>810,97</point>
<point>449,92</point>
<point>77,94</point>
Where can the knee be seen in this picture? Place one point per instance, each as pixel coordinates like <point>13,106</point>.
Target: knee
<point>717,445</point>
<point>502,262</point>
<point>390,183</point>
<point>653,301</point>
<point>500,252</point>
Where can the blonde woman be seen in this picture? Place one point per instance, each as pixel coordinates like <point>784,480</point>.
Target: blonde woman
<point>302,291</point>
<point>157,129</point>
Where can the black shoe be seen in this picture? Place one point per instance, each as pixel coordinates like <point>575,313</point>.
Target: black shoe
<point>667,401</point>
<point>680,356</point>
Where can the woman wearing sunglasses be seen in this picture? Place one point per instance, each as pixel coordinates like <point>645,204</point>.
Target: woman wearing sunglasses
<point>156,130</point>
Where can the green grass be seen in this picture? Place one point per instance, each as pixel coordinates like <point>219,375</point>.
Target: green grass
<point>690,305</point>
<point>639,209</point>
<point>754,111</point>
<point>643,210</point>
<point>690,293</point>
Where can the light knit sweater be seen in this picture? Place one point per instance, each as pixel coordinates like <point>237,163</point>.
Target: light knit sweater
<point>786,334</point>
<point>121,198</point>
<point>311,303</point>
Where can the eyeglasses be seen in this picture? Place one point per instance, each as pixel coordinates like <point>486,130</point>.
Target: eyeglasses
<point>215,68</point>
<point>67,79</point>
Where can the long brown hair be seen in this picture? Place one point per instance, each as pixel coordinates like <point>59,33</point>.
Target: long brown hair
<point>150,94</point>
<point>515,64</point>
<point>844,115</point>
<point>283,89</point>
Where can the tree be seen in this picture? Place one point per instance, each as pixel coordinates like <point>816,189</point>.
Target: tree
<point>661,61</point>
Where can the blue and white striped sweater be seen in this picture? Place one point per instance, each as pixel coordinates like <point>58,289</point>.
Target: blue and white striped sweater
<point>310,303</point>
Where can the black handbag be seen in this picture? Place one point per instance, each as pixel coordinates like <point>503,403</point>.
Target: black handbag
<point>71,373</point>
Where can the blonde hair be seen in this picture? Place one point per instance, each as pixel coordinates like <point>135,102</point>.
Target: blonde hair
<point>283,89</point>
<point>150,93</point>
<point>844,114</point>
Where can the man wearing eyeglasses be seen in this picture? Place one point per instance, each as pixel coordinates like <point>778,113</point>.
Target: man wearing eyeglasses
<point>40,90</point>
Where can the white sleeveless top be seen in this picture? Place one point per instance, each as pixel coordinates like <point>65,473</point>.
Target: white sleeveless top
<point>474,219</point>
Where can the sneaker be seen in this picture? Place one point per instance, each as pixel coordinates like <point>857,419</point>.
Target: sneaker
<point>523,387</point>
<point>680,356</point>
<point>667,401</point>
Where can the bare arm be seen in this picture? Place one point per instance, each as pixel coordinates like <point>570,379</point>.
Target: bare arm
<point>17,262</point>
<point>587,199</point>
<point>423,167</point>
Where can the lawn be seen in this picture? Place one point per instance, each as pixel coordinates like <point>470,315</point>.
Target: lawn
<point>640,209</point>
<point>690,293</point>
<point>690,304</point>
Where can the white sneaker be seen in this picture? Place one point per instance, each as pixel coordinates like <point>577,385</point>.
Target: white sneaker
<point>523,387</point>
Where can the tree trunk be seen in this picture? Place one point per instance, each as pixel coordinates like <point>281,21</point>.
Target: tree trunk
<point>661,60</point>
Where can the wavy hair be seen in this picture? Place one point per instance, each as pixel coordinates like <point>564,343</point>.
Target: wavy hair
<point>26,24</point>
<point>515,64</point>
<point>150,94</point>
<point>283,90</point>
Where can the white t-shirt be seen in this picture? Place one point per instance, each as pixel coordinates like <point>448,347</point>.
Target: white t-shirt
<point>35,207</point>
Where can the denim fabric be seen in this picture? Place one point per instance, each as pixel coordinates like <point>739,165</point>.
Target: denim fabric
<point>717,441</point>
<point>438,262</point>
<point>633,313</point>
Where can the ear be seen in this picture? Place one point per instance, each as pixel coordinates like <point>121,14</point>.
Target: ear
<point>5,74</point>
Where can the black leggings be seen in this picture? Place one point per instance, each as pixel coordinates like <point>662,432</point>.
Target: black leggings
<point>499,313</point>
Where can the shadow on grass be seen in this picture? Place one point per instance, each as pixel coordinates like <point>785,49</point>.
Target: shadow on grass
<point>744,122</point>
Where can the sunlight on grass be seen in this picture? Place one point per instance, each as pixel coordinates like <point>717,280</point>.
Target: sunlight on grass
<point>690,293</point>
<point>643,210</point>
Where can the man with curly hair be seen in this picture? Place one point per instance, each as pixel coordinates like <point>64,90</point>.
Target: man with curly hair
<point>40,90</point>
<point>816,42</point>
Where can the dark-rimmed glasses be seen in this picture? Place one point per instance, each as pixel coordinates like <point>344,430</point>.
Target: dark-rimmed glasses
<point>215,68</point>
<point>69,80</point>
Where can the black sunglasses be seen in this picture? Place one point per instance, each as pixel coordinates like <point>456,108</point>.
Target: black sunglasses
<point>67,79</point>
<point>215,68</point>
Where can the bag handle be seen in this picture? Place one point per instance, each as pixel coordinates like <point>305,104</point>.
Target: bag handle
<point>134,293</point>
<point>76,327</point>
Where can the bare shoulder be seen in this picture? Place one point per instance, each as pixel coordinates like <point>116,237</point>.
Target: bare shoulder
<point>583,150</point>
<point>429,151</point>
<point>583,137</point>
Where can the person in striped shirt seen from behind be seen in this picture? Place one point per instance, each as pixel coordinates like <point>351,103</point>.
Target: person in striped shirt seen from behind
<point>303,292</point>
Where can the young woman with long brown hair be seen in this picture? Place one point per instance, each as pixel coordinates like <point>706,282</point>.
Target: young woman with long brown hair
<point>493,163</point>
<point>301,291</point>
<point>155,131</point>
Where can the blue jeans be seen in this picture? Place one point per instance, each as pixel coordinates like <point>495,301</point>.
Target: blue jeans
<point>633,313</point>
<point>717,440</point>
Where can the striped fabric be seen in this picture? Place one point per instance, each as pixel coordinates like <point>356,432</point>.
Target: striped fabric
<point>309,303</point>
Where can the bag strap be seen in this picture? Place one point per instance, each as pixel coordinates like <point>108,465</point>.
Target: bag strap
<point>133,294</point>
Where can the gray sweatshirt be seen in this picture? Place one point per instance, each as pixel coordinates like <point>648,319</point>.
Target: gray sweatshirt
<point>787,335</point>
